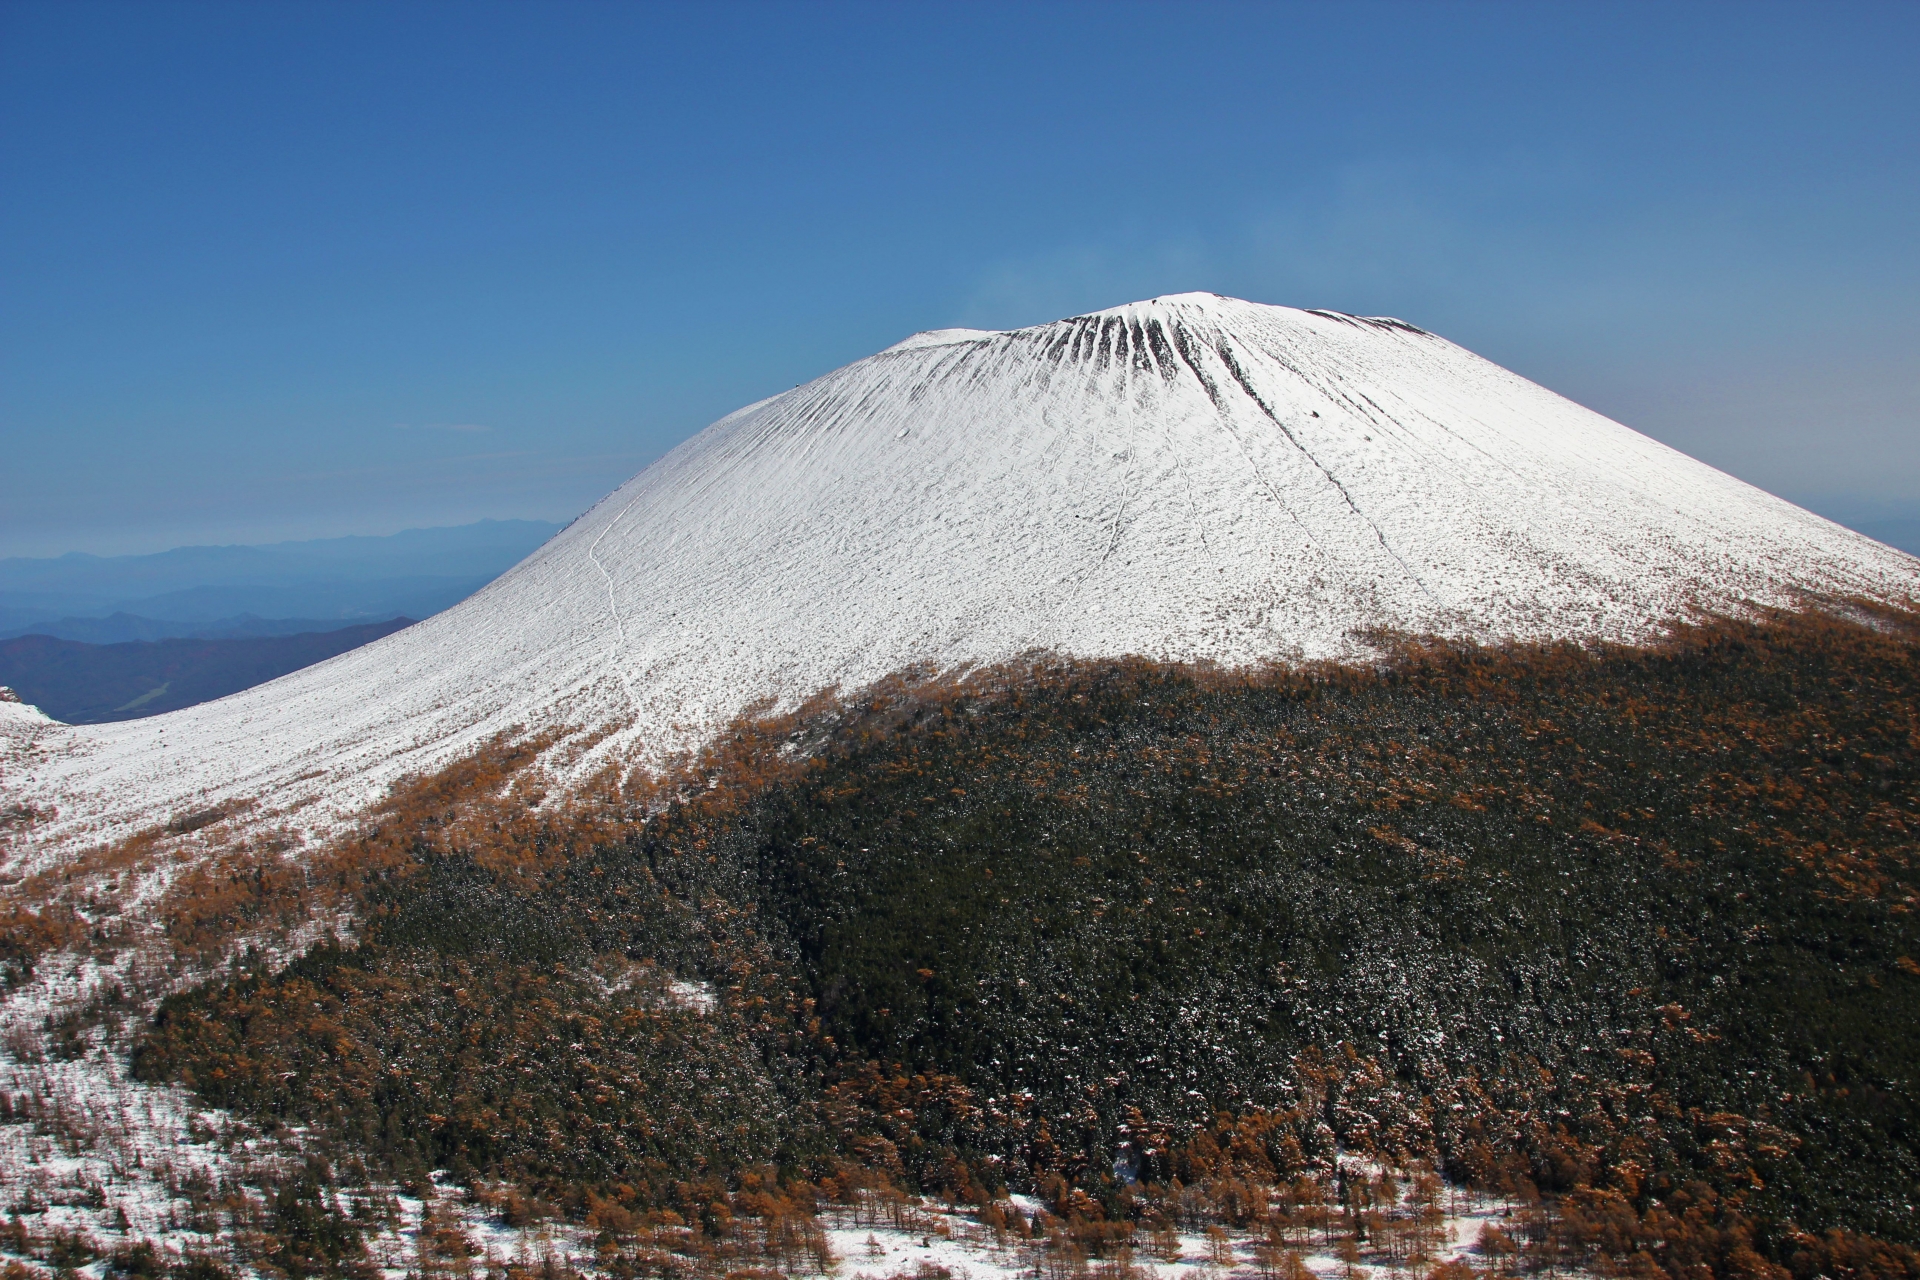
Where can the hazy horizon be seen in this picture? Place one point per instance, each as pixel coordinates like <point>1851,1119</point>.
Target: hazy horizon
<point>298,271</point>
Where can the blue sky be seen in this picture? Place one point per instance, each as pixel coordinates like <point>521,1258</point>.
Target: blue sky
<point>285,270</point>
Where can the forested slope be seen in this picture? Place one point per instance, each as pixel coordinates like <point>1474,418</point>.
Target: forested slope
<point>1633,928</point>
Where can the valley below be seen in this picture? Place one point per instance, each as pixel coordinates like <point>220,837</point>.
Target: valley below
<point>80,683</point>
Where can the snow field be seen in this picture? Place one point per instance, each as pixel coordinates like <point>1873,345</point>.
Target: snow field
<point>1189,478</point>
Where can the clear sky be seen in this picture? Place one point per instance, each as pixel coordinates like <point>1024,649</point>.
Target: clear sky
<point>288,270</point>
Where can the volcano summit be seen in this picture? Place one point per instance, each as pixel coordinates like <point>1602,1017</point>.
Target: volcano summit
<point>1189,478</point>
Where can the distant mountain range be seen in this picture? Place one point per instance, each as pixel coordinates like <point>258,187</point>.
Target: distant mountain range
<point>124,628</point>
<point>90,639</point>
<point>93,683</point>
<point>236,591</point>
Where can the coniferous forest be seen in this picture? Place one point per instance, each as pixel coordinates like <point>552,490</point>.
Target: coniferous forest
<point>1628,933</point>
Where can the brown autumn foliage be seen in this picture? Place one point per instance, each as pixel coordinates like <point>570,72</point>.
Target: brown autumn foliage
<point>894,1125</point>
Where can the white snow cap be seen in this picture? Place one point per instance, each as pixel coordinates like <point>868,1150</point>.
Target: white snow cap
<point>1190,477</point>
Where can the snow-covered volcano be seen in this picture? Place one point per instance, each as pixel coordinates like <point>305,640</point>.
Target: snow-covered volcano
<point>1191,477</point>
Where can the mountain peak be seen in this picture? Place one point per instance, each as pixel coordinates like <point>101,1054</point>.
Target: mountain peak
<point>1188,478</point>
<point>941,338</point>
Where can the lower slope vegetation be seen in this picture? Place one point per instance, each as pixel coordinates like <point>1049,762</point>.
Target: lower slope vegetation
<point>1630,930</point>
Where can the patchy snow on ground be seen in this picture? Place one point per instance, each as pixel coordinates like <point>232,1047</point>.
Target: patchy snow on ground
<point>91,1153</point>
<point>934,1238</point>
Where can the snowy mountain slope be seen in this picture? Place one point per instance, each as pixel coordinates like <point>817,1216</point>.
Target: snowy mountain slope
<point>1190,477</point>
